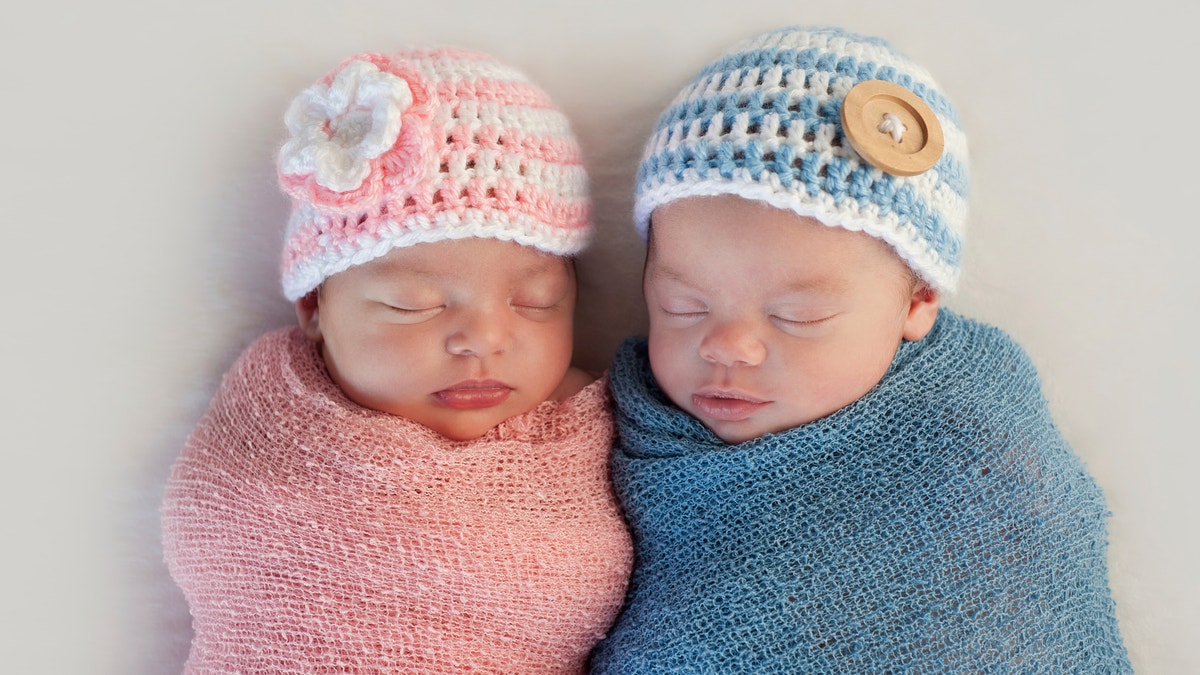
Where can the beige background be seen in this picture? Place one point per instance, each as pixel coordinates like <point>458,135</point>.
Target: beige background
<point>141,223</point>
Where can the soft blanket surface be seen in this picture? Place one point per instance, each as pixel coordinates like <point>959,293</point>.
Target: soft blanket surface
<point>940,524</point>
<point>312,535</point>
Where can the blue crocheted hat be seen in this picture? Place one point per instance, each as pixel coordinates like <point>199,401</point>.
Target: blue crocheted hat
<point>764,122</point>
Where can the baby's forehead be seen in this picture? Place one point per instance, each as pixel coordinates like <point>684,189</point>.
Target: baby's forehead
<point>746,219</point>
<point>685,236</point>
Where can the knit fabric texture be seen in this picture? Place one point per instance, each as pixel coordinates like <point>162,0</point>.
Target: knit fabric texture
<point>427,144</point>
<point>763,122</point>
<point>939,524</point>
<point>311,535</point>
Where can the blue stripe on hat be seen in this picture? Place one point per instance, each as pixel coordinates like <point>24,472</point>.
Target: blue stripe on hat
<point>810,111</point>
<point>951,169</point>
<point>807,60</point>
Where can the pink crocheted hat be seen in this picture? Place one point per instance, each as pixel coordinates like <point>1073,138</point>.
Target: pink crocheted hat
<point>390,150</point>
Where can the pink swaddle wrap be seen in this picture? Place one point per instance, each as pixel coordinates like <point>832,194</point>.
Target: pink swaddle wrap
<point>310,534</point>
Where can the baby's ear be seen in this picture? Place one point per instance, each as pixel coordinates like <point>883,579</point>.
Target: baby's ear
<point>922,312</point>
<point>308,313</point>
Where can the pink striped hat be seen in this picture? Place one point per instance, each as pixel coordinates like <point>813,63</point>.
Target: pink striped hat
<point>390,150</point>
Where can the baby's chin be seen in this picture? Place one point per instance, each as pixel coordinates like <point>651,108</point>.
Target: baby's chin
<point>470,425</point>
<point>742,431</point>
<point>463,431</point>
<point>733,433</point>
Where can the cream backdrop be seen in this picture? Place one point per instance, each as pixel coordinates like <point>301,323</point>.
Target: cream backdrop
<point>141,224</point>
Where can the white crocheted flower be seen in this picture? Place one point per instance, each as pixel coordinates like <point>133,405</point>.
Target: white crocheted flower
<point>337,129</point>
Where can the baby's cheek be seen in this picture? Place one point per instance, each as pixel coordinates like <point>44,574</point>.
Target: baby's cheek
<point>669,363</point>
<point>862,371</point>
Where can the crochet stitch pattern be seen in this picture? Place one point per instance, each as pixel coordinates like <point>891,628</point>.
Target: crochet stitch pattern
<point>389,150</point>
<point>312,535</point>
<point>939,524</point>
<point>763,122</point>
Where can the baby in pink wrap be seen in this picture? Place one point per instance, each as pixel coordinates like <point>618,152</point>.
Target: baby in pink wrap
<point>415,479</point>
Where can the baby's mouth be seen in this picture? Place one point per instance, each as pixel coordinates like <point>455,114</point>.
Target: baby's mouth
<point>726,406</point>
<point>474,394</point>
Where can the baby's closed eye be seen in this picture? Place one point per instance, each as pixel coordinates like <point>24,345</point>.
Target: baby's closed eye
<point>803,322</point>
<point>413,313</point>
<point>682,307</point>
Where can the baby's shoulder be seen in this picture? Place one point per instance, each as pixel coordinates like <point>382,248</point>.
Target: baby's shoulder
<point>978,360</point>
<point>982,345</point>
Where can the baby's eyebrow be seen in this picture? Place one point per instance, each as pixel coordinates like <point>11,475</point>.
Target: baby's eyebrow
<point>811,285</point>
<point>542,267</point>
<point>434,271</point>
<point>386,269</point>
<point>821,285</point>
<point>660,271</point>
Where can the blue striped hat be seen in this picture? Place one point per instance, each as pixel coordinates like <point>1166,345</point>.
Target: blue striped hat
<point>764,122</point>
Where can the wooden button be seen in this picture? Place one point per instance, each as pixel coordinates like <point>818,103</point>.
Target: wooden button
<point>892,128</point>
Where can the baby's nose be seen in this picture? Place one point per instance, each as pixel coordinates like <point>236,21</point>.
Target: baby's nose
<point>733,343</point>
<point>480,332</point>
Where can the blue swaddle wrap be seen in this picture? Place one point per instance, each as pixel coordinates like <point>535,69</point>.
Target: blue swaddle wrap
<point>940,524</point>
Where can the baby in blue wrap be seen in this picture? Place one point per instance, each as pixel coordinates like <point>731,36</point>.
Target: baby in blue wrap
<point>824,471</point>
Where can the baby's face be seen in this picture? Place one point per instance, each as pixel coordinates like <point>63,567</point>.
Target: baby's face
<point>762,320</point>
<point>457,335</point>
